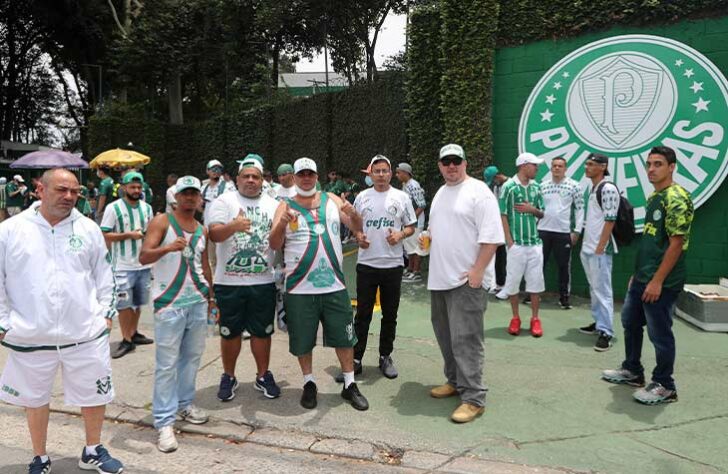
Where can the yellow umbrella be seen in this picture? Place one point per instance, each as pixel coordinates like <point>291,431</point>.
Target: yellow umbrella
<point>119,157</point>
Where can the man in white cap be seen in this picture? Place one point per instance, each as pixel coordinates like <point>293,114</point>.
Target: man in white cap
<point>307,228</point>
<point>213,187</point>
<point>59,256</point>
<point>465,234</point>
<point>411,245</point>
<point>183,301</point>
<point>388,219</point>
<point>521,205</point>
<point>15,195</point>
<point>245,290</point>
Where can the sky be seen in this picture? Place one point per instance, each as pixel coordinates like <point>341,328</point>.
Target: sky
<point>390,42</point>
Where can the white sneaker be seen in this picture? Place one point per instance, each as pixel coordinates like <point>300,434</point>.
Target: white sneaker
<point>406,274</point>
<point>502,295</point>
<point>167,440</point>
<point>246,334</point>
<point>194,415</point>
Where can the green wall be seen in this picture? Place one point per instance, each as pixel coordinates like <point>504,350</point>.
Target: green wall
<point>518,69</point>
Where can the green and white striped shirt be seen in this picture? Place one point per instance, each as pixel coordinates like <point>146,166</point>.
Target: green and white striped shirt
<point>523,225</point>
<point>119,217</point>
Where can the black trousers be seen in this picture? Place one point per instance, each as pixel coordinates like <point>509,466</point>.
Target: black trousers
<point>500,265</point>
<point>560,244</point>
<point>389,283</point>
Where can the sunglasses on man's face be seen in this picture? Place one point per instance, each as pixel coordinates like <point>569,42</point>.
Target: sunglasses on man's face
<point>448,160</point>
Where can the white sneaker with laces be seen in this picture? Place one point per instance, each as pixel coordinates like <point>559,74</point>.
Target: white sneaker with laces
<point>194,415</point>
<point>167,440</point>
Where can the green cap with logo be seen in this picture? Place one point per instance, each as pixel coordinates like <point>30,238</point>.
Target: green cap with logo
<point>132,177</point>
<point>285,168</point>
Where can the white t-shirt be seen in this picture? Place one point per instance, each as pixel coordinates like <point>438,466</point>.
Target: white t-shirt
<point>381,213</point>
<point>417,194</point>
<point>284,192</point>
<point>597,215</point>
<point>245,259</point>
<point>461,218</point>
<point>211,192</point>
<point>170,198</point>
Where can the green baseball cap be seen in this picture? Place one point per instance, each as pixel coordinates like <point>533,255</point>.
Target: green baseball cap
<point>285,168</point>
<point>132,176</point>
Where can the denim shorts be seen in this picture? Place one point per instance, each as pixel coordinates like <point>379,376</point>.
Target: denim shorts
<point>132,288</point>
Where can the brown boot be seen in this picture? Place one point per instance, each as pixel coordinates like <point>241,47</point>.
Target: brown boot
<point>466,412</point>
<point>443,391</point>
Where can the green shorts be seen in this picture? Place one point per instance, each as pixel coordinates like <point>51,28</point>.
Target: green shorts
<point>246,307</point>
<point>303,313</point>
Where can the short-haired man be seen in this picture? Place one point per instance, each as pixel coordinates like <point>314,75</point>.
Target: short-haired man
<point>287,188</point>
<point>106,191</point>
<point>60,257</point>
<point>660,273</point>
<point>388,219</point>
<point>597,248</point>
<point>411,245</point>
<point>562,198</point>
<point>171,203</point>
<point>15,196</point>
<point>465,233</point>
<point>213,187</point>
<point>521,205</point>
<point>240,224</point>
<point>175,244</point>
<point>307,228</point>
<point>124,225</point>
<point>334,183</point>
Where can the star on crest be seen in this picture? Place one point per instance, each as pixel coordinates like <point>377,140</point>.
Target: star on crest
<point>550,99</point>
<point>679,62</point>
<point>557,85</point>
<point>699,105</point>
<point>565,75</point>
<point>546,116</point>
<point>697,86</point>
<point>688,73</point>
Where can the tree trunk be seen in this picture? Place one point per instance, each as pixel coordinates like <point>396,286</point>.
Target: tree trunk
<point>174,91</point>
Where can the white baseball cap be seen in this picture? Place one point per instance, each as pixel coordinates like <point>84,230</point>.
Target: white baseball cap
<point>18,178</point>
<point>452,150</point>
<point>187,182</point>
<point>250,163</point>
<point>303,164</point>
<point>528,158</point>
<point>380,158</point>
<point>212,163</point>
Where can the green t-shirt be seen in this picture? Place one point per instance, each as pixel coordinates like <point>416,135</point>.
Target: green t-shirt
<point>106,188</point>
<point>83,206</point>
<point>14,201</point>
<point>523,225</point>
<point>669,213</point>
<point>337,187</point>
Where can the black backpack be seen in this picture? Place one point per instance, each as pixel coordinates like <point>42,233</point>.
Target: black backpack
<point>623,231</point>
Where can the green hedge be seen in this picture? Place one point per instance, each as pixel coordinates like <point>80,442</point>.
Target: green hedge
<point>340,130</point>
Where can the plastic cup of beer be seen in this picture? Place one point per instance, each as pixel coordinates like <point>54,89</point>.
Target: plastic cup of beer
<point>425,235</point>
<point>293,225</point>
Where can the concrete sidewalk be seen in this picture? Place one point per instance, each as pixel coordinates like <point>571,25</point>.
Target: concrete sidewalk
<point>546,407</point>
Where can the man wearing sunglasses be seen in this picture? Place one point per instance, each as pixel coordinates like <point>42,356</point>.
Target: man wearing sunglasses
<point>465,230</point>
<point>213,187</point>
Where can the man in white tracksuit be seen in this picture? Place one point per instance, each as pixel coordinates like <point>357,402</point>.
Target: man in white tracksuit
<point>57,300</point>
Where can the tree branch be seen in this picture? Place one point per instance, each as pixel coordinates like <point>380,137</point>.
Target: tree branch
<point>116,18</point>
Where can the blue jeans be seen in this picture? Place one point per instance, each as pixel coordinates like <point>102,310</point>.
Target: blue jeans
<point>180,341</point>
<point>132,287</point>
<point>598,269</point>
<point>657,317</point>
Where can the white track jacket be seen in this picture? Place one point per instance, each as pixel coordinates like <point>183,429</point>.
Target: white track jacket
<point>56,283</point>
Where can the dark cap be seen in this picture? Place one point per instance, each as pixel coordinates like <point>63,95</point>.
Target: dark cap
<point>601,159</point>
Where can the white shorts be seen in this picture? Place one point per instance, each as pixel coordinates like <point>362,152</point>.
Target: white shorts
<point>524,261</point>
<point>412,244</point>
<point>27,379</point>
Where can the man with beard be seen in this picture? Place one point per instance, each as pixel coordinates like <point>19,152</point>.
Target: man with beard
<point>124,225</point>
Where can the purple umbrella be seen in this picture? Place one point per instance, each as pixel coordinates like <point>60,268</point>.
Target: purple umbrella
<point>46,159</point>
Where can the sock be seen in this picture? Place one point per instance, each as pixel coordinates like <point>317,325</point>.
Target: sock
<point>91,450</point>
<point>308,378</point>
<point>44,458</point>
<point>357,361</point>
<point>348,378</point>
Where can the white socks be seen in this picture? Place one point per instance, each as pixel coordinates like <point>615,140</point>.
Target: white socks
<point>308,378</point>
<point>348,378</point>
<point>91,450</point>
<point>44,458</point>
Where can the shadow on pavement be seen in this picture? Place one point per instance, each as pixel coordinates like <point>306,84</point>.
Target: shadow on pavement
<point>501,332</point>
<point>575,337</point>
<point>624,404</point>
<point>413,399</point>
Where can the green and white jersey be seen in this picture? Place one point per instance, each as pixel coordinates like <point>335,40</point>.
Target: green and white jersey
<point>597,215</point>
<point>119,217</point>
<point>313,252</point>
<point>178,279</point>
<point>523,225</point>
<point>563,206</point>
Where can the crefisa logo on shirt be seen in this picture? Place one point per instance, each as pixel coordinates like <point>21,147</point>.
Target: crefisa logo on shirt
<point>621,96</point>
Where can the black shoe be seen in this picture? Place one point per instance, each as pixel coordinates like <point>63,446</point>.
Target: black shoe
<point>123,349</point>
<point>357,371</point>
<point>527,300</point>
<point>353,395</point>
<point>140,339</point>
<point>39,467</point>
<point>308,399</point>
<point>565,303</point>
<point>228,385</point>
<point>590,329</point>
<point>386,365</point>
<point>604,342</point>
